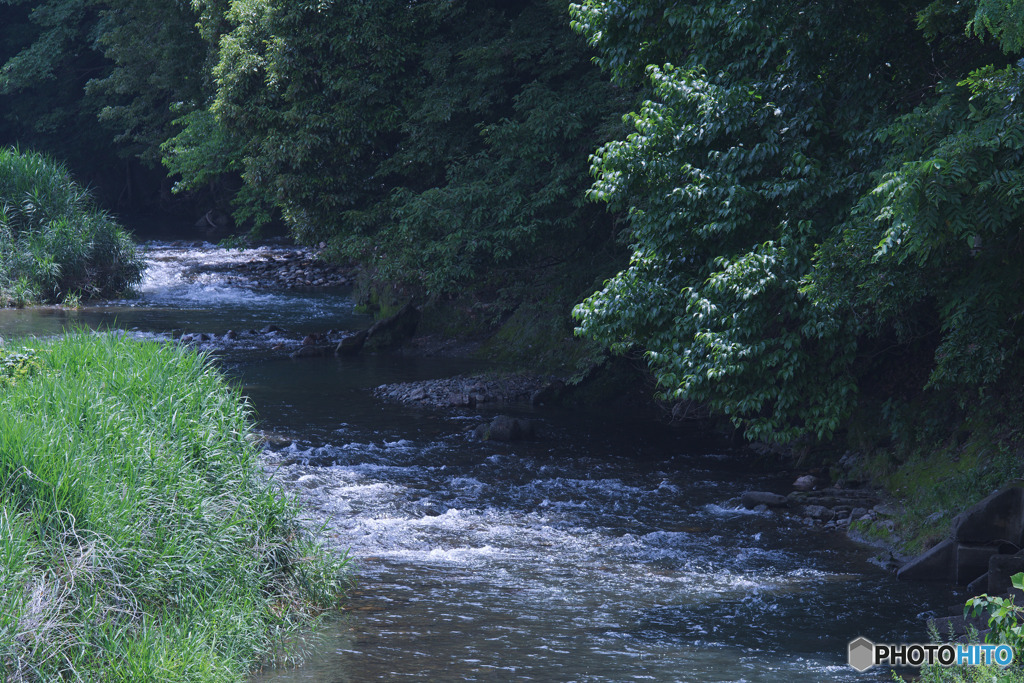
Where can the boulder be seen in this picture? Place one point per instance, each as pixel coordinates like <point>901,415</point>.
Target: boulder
<point>352,344</point>
<point>309,351</point>
<point>505,428</point>
<point>394,331</point>
<point>751,499</point>
<point>459,400</point>
<point>998,518</point>
<point>313,338</point>
<point>818,512</point>
<point>807,482</point>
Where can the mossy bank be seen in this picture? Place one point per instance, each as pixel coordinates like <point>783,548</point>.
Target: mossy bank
<point>139,538</point>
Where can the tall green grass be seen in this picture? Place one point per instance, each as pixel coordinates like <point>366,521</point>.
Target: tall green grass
<point>54,241</point>
<point>139,538</point>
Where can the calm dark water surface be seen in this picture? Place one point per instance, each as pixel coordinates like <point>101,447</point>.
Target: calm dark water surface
<point>606,551</point>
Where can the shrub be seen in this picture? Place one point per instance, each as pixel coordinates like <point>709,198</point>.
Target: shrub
<point>54,241</point>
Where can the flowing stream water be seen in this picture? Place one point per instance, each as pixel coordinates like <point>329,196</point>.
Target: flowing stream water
<point>606,551</point>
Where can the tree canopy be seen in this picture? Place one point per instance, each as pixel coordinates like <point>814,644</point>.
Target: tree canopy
<point>807,181</point>
<point>818,199</point>
<point>440,141</point>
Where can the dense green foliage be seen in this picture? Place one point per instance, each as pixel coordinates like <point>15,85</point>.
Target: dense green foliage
<point>820,200</point>
<point>441,142</point>
<point>54,241</point>
<point>139,538</point>
<point>15,367</point>
<point>69,63</point>
<point>448,133</point>
<point>45,63</point>
<point>1003,616</point>
<point>968,674</point>
<point>97,85</point>
<point>988,673</point>
<point>810,186</point>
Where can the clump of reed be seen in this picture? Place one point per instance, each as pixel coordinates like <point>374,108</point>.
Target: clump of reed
<point>139,537</point>
<point>54,241</point>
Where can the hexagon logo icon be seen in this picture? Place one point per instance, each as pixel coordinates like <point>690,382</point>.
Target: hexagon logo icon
<point>861,654</point>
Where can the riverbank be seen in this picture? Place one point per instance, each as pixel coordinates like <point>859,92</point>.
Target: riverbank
<point>139,537</point>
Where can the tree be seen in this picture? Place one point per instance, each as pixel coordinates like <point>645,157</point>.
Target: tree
<point>762,133</point>
<point>46,63</point>
<point>159,63</point>
<point>936,242</point>
<point>98,82</point>
<point>437,141</point>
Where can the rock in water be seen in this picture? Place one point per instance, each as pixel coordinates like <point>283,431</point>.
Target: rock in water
<point>805,483</point>
<point>311,352</point>
<point>751,499</point>
<point>392,332</point>
<point>352,344</point>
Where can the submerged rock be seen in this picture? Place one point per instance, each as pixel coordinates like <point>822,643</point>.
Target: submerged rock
<point>505,428</point>
<point>312,351</point>
<point>819,512</point>
<point>462,391</point>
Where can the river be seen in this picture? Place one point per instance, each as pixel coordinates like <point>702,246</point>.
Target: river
<point>606,551</point>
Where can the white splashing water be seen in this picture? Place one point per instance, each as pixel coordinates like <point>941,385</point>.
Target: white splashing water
<point>200,277</point>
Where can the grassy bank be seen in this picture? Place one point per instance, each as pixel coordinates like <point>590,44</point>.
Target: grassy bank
<point>935,459</point>
<point>55,244</point>
<point>139,539</point>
